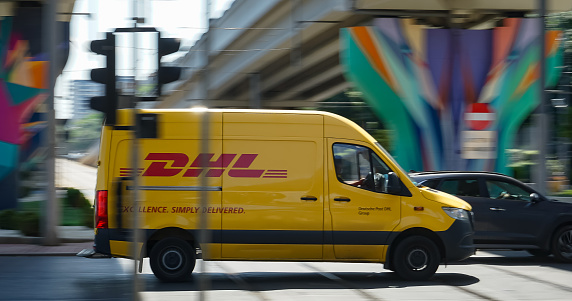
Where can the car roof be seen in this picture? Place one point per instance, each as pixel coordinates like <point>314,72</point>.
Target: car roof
<point>447,174</point>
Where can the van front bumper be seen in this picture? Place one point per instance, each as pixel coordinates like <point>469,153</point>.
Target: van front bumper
<point>458,240</point>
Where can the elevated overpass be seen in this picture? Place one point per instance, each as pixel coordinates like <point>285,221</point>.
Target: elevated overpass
<point>63,11</point>
<point>285,53</point>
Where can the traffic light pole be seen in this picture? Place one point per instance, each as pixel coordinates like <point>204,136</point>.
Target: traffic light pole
<point>135,250</point>
<point>109,104</point>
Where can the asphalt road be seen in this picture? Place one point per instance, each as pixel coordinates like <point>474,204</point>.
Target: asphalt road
<point>487,276</point>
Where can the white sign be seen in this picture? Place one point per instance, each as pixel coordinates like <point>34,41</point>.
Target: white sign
<point>479,145</point>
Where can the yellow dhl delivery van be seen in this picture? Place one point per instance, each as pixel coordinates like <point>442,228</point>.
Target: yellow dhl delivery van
<point>282,186</point>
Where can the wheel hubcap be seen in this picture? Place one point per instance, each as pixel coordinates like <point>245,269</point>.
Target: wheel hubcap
<point>418,259</point>
<point>565,244</point>
<point>172,259</point>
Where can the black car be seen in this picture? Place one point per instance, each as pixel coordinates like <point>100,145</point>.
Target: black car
<point>508,214</point>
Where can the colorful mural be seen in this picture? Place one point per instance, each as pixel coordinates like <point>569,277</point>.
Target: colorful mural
<point>23,84</point>
<point>453,98</point>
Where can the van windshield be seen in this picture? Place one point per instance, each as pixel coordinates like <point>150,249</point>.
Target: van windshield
<point>389,157</point>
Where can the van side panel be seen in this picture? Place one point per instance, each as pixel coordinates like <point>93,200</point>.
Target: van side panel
<point>277,188</point>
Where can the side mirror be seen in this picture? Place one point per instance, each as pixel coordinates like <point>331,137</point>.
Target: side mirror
<point>534,197</point>
<point>393,183</point>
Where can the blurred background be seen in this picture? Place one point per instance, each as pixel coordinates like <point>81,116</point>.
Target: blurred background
<point>441,85</point>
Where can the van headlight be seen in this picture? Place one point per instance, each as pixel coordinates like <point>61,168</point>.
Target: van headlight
<point>457,213</point>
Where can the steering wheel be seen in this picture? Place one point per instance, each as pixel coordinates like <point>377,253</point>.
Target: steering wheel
<point>368,183</point>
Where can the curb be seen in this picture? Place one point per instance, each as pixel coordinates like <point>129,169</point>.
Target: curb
<point>62,249</point>
<point>56,254</point>
<point>29,240</point>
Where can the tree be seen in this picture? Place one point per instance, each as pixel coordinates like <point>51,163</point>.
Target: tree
<point>85,132</point>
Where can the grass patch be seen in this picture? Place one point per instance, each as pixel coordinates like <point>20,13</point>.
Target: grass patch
<point>70,216</point>
<point>564,193</point>
<point>76,211</point>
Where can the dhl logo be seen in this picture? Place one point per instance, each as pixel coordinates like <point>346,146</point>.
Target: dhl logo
<point>172,164</point>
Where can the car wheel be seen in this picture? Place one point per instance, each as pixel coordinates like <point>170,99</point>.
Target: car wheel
<point>172,260</point>
<point>562,244</point>
<point>416,258</point>
<point>539,252</point>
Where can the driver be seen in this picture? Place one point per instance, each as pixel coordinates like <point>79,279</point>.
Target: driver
<point>339,165</point>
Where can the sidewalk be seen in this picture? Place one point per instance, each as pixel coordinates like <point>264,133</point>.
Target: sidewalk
<point>72,240</point>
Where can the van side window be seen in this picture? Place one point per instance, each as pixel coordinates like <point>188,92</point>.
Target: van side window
<point>360,167</point>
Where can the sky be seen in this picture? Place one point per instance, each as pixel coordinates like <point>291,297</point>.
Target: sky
<point>183,19</point>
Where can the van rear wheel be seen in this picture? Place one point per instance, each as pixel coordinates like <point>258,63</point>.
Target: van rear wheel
<point>416,258</point>
<point>172,260</point>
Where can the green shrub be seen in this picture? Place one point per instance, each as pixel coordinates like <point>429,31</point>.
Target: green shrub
<point>564,193</point>
<point>29,223</point>
<point>88,219</point>
<point>76,199</point>
<point>8,219</point>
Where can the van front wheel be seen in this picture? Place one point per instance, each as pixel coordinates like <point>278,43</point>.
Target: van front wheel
<point>172,260</point>
<point>416,258</point>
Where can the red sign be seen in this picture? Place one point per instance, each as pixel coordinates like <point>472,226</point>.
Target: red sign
<point>479,116</point>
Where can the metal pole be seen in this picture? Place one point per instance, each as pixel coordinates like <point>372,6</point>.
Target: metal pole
<point>541,118</point>
<point>135,250</point>
<point>204,236</point>
<point>50,218</point>
<point>296,52</point>
<point>255,99</point>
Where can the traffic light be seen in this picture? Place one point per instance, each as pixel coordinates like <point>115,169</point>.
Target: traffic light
<point>108,103</point>
<point>167,74</point>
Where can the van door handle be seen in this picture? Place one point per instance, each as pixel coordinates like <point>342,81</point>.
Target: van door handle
<point>497,209</point>
<point>342,199</point>
<point>309,198</point>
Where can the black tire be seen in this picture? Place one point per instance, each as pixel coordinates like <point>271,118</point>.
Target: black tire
<point>416,258</point>
<point>562,244</point>
<point>538,252</point>
<point>172,260</point>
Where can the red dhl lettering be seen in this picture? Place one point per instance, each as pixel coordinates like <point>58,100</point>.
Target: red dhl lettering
<point>173,164</point>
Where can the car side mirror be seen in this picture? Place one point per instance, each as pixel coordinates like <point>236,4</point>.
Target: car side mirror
<point>534,197</point>
<point>393,183</point>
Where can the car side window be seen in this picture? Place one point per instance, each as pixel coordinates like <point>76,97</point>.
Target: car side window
<point>461,187</point>
<point>507,191</point>
<point>359,166</point>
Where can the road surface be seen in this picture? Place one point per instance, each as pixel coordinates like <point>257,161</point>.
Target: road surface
<point>486,276</point>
